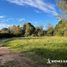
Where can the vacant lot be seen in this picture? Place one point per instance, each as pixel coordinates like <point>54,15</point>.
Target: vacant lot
<point>35,51</point>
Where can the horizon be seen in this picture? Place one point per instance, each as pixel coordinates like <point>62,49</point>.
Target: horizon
<point>38,12</point>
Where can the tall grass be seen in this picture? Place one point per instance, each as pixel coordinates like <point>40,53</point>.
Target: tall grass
<point>42,42</point>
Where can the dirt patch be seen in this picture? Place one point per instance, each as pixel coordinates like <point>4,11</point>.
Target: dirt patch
<point>6,55</point>
<point>4,51</point>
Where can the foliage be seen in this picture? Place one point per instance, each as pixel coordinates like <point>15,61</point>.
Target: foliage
<point>63,5</point>
<point>61,28</point>
<point>50,30</point>
<point>15,30</point>
<point>30,30</point>
<point>39,31</point>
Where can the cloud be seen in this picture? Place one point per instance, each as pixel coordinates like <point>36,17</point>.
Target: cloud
<point>21,19</point>
<point>4,25</point>
<point>39,4</point>
<point>1,17</point>
<point>4,21</point>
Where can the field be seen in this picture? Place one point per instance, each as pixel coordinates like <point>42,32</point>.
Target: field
<point>38,50</point>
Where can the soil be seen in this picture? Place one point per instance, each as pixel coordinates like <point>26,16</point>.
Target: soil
<point>6,55</point>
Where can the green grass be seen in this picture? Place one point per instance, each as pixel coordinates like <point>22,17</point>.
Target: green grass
<point>11,64</point>
<point>44,47</point>
<point>25,44</point>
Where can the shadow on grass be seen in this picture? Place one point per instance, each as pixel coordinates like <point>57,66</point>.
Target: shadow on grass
<point>41,55</point>
<point>11,64</point>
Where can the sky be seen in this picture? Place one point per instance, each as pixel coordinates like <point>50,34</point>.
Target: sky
<point>18,12</point>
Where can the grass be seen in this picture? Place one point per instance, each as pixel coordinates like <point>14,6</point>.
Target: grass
<point>10,64</point>
<point>25,44</point>
<point>44,47</point>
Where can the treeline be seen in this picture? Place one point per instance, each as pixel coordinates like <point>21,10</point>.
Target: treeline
<point>30,30</point>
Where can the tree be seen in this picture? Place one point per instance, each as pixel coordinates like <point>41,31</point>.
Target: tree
<point>65,33</point>
<point>62,4</point>
<point>39,31</point>
<point>4,33</point>
<point>61,28</point>
<point>28,29</point>
<point>15,30</point>
<point>50,30</point>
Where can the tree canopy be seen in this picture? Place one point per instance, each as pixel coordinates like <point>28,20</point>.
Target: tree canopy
<point>62,4</point>
<point>29,29</point>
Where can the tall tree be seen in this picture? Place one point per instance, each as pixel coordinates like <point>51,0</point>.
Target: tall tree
<point>28,28</point>
<point>61,28</point>
<point>62,4</point>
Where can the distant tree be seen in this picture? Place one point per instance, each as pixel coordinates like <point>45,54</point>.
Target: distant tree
<point>15,30</point>
<point>4,33</point>
<point>50,30</point>
<point>39,31</point>
<point>4,30</point>
<point>28,29</point>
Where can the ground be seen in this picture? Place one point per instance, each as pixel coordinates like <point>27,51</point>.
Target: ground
<point>6,56</point>
<point>32,52</point>
<point>21,60</point>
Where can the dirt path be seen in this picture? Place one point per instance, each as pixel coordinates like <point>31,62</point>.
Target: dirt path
<point>6,56</point>
<point>4,51</point>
